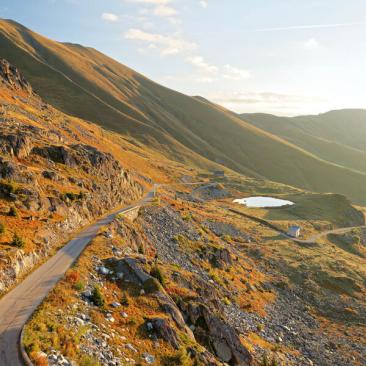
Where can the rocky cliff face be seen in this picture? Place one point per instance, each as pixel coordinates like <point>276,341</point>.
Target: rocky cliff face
<point>55,176</point>
<point>10,75</point>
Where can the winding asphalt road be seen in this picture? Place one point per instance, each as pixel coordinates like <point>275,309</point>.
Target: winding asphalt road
<point>19,304</point>
<point>315,237</point>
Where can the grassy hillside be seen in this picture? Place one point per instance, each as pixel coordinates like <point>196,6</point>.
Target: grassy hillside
<point>83,82</point>
<point>336,136</point>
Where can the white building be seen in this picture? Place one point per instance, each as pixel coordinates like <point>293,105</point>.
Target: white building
<point>294,231</point>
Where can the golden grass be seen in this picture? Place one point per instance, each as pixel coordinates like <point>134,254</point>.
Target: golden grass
<point>187,130</point>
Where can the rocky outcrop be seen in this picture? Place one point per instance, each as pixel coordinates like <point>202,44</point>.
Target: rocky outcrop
<point>216,334</point>
<point>50,174</point>
<point>14,171</point>
<point>130,269</point>
<point>12,76</point>
<point>18,145</point>
<point>163,330</point>
<point>220,258</point>
<point>15,265</point>
<point>57,154</point>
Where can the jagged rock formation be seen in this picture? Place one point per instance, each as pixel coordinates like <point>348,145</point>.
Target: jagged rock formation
<point>53,174</point>
<point>210,330</point>
<point>11,75</point>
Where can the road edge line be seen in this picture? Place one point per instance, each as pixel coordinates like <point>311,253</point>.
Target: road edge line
<point>22,350</point>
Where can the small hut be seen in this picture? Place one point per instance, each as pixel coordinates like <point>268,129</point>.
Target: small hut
<point>294,231</point>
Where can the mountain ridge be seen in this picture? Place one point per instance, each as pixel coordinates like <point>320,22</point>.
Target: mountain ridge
<point>336,136</point>
<point>83,82</point>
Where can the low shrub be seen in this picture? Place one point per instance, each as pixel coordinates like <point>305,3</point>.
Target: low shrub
<point>158,274</point>
<point>13,212</point>
<point>38,359</point>
<point>7,187</point>
<point>155,201</point>
<point>70,196</point>
<point>187,217</point>
<point>266,362</point>
<point>181,358</point>
<point>152,285</point>
<point>79,286</point>
<point>17,242</point>
<point>97,297</point>
<point>72,276</point>
<point>124,300</point>
<point>88,361</point>
<point>2,228</point>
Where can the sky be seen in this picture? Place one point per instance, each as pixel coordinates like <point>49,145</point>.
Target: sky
<point>285,57</point>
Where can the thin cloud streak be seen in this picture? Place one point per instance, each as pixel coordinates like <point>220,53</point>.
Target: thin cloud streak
<point>309,26</point>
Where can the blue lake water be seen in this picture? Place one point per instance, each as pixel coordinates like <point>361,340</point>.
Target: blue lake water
<point>264,202</point>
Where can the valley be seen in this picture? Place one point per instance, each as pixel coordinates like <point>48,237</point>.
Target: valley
<point>278,294</point>
<point>121,238</point>
<point>83,82</point>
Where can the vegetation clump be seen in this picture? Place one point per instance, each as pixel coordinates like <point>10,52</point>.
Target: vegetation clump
<point>13,212</point>
<point>70,196</point>
<point>152,285</point>
<point>158,274</point>
<point>97,297</point>
<point>79,286</point>
<point>2,228</point>
<point>7,188</point>
<point>88,361</point>
<point>72,276</point>
<point>266,362</point>
<point>181,358</point>
<point>17,241</point>
<point>124,300</point>
<point>187,217</point>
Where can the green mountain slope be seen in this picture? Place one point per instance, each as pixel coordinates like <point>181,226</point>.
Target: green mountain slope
<point>83,82</point>
<point>337,136</point>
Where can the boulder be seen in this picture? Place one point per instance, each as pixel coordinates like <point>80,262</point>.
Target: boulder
<point>221,258</point>
<point>103,270</point>
<point>57,154</point>
<point>213,331</point>
<point>11,75</point>
<point>149,359</point>
<point>170,308</point>
<point>49,174</point>
<point>130,270</point>
<point>18,145</point>
<point>163,330</point>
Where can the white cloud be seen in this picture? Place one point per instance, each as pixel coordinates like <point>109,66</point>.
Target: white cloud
<point>199,62</point>
<point>234,73</point>
<point>227,71</point>
<point>110,17</point>
<point>311,44</point>
<point>167,45</point>
<point>204,3</point>
<point>160,8</point>
<point>267,102</point>
<point>164,11</point>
